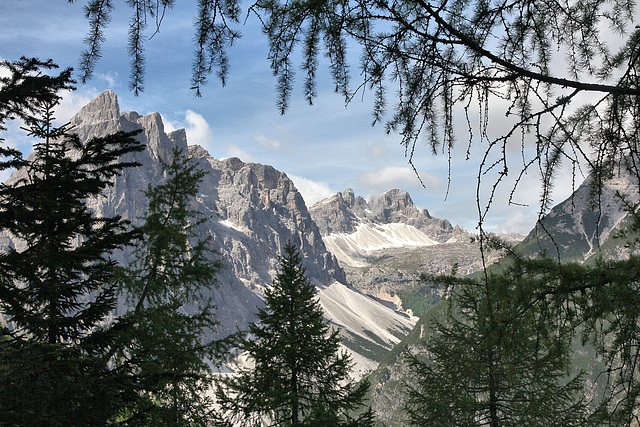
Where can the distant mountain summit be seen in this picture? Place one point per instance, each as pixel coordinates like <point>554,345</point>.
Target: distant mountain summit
<point>353,228</point>
<point>584,224</point>
<point>344,212</point>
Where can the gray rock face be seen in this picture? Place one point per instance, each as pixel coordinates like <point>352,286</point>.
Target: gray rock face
<point>343,212</point>
<point>584,224</point>
<point>255,210</point>
<point>252,209</point>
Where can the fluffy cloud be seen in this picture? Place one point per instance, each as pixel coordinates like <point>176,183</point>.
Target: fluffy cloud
<point>4,72</point>
<point>198,130</point>
<point>377,150</point>
<point>389,177</point>
<point>311,191</point>
<point>111,79</point>
<point>235,151</point>
<point>72,102</point>
<point>518,221</point>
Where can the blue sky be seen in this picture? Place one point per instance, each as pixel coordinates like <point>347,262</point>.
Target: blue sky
<point>324,148</point>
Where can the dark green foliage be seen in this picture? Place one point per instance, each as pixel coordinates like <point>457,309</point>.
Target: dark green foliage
<point>509,350</point>
<point>62,362</point>
<point>46,209</point>
<point>171,313</point>
<point>497,359</point>
<point>56,385</point>
<point>23,93</point>
<point>300,377</point>
<point>57,284</point>
<point>27,89</point>
<point>419,299</point>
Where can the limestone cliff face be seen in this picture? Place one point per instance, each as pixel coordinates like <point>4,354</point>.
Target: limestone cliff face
<point>256,210</point>
<point>343,212</point>
<point>584,225</point>
<point>338,214</point>
<point>252,209</point>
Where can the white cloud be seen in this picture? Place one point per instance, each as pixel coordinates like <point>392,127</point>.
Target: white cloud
<point>5,174</point>
<point>72,102</point>
<point>169,126</point>
<point>389,177</point>
<point>518,222</point>
<point>235,151</point>
<point>311,191</point>
<point>269,143</point>
<point>198,130</point>
<point>4,72</point>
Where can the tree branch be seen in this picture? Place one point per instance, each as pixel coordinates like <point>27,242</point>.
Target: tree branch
<point>471,44</point>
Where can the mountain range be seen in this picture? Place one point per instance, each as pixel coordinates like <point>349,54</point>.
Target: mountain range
<point>252,211</point>
<point>579,229</point>
<point>387,243</point>
<point>366,257</point>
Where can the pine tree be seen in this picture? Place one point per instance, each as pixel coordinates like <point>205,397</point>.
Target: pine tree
<point>57,284</point>
<point>498,357</point>
<point>166,287</point>
<point>299,377</point>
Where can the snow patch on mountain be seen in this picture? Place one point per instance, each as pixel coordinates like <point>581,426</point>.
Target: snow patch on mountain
<point>368,237</point>
<point>232,226</point>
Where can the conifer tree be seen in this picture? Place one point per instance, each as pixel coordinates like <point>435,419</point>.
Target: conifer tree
<point>498,357</point>
<point>57,284</point>
<point>166,287</point>
<point>299,377</point>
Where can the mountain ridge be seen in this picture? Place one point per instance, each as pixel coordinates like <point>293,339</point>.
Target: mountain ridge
<point>252,211</point>
<point>582,225</point>
<point>578,229</point>
<point>342,212</point>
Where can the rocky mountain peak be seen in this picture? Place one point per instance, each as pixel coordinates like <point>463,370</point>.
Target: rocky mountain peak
<point>348,196</point>
<point>252,210</point>
<point>584,224</point>
<point>397,196</point>
<point>102,116</point>
<point>392,204</point>
<point>103,108</point>
<point>343,212</point>
<point>233,163</point>
<point>337,214</point>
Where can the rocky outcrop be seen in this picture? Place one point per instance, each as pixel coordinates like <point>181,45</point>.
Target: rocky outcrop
<point>252,210</point>
<point>343,212</point>
<point>256,210</point>
<point>338,214</point>
<point>584,224</point>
